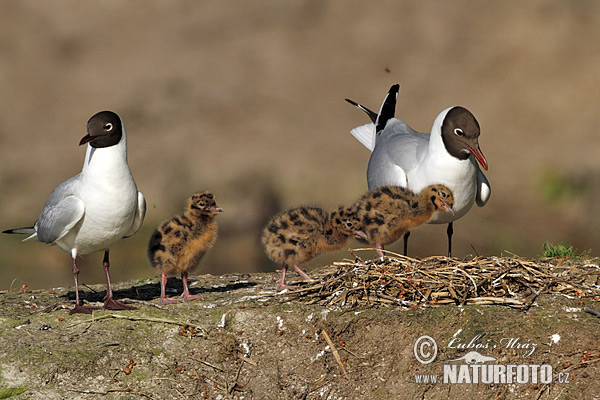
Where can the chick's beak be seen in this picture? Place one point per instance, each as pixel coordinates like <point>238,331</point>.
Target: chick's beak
<point>215,210</point>
<point>359,235</point>
<point>447,207</point>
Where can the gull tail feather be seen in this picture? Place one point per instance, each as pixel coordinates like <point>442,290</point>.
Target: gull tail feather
<point>365,134</point>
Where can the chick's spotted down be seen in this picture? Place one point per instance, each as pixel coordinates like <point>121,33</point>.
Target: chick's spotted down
<point>300,234</point>
<point>178,244</point>
<point>388,212</point>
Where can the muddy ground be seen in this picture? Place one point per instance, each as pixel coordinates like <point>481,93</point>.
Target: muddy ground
<point>244,341</point>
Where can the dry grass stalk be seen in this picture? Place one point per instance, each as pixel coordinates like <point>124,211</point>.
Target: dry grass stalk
<point>410,282</point>
<point>336,354</point>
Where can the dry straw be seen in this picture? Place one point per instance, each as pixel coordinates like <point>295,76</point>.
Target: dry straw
<point>410,282</point>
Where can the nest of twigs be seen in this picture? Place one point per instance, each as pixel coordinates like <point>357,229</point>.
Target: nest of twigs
<point>403,281</point>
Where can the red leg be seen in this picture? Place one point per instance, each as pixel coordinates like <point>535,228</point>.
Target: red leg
<point>379,251</point>
<point>303,274</point>
<point>163,296</point>
<point>281,282</point>
<point>78,309</point>
<point>110,303</point>
<point>186,292</point>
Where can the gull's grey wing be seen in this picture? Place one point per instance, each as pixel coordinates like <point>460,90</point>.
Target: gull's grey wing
<point>366,135</point>
<point>62,191</point>
<point>399,149</point>
<point>406,147</point>
<point>61,213</point>
<point>140,213</point>
<point>383,171</point>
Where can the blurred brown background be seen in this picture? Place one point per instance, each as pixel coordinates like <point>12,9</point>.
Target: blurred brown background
<point>246,99</point>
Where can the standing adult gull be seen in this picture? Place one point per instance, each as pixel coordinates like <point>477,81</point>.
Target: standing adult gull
<point>97,207</point>
<point>448,155</point>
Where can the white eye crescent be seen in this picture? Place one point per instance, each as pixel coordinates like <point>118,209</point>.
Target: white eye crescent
<point>458,132</point>
<point>108,126</point>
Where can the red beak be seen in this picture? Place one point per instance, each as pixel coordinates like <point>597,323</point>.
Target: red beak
<point>479,156</point>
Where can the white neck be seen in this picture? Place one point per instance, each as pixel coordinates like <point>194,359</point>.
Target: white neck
<point>435,140</point>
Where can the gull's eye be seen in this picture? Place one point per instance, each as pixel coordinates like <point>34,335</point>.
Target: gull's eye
<point>108,126</point>
<point>202,204</point>
<point>458,132</point>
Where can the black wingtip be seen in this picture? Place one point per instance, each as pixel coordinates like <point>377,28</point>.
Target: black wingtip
<point>19,231</point>
<point>388,108</point>
<point>372,115</point>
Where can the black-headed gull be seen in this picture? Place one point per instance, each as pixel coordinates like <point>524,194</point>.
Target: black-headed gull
<point>448,155</point>
<point>97,207</point>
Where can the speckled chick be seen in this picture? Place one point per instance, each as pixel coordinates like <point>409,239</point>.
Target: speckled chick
<point>178,244</point>
<point>388,212</point>
<point>300,234</point>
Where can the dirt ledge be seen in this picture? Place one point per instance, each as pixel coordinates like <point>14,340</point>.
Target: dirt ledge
<point>242,341</point>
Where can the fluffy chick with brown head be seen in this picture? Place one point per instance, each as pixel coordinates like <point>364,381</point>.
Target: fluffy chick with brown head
<point>300,234</point>
<point>178,244</point>
<point>388,212</point>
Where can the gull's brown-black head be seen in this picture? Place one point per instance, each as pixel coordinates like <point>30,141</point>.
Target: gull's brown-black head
<point>460,133</point>
<point>104,129</point>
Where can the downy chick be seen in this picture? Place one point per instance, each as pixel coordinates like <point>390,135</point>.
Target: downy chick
<point>388,212</point>
<point>178,244</point>
<point>300,234</point>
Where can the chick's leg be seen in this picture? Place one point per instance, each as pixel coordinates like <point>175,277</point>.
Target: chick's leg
<point>303,274</point>
<point>163,295</point>
<point>379,249</point>
<point>186,291</point>
<point>281,282</point>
